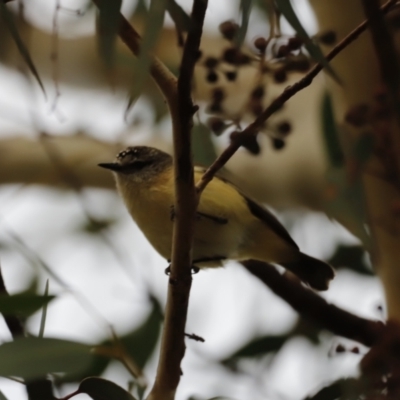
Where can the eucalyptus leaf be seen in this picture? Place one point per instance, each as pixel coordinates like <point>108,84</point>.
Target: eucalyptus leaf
<point>203,147</point>
<point>141,342</point>
<point>338,389</point>
<point>31,358</point>
<point>108,26</point>
<point>153,25</point>
<point>179,16</point>
<point>22,304</point>
<point>345,202</point>
<point>256,348</point>
<point>352,257</point>
<point>102,389</point>
<point>285,7</point>
<point>44,312</point>
<point>245,8</point>
<point>2,396</point>
<point>363,148</point>
<point>331,134</point>
<point>8,20</point>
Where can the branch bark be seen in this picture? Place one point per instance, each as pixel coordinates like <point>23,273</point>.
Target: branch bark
<point>173,337</point>
<point>313,307</point>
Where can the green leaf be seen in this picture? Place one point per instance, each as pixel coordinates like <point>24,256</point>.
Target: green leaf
<point>345,202</point>
<point>23,304</point>
<point>285,7</point>
<point>31,358</point>
<point>108,26</point>
<point>44,311</point>
<point>96,367</point>
<point>179,16</point>
<point>153,26</point>
<point>102,389</point>
<point>351,257</point>
<point>245,8</point>
<point>257,348</point>
<point>94,225</point>
<point>363,148</point>
<point>2,396</point>
<point>337,389</point>
<point>203,146</point>
<point>330,132</point>
<point>8,20</point>
<point>140,343</point>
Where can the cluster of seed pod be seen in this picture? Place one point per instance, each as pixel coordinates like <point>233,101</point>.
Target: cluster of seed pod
<point>241,83</point>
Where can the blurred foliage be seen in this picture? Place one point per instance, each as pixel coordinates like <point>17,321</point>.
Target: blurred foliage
<point>351,257</point>
<point>102,389</point>
<point>285,7</point>
<point>138,344</point>
<point>108,25</point>
<point>31,358</point>
<point>153,25</point>
<point>2,396</point>
<point>179,16</point>
<point>22,304</point>
<point>204,151</point>
<point>344,192</point>
<point>330,133</point>
<point>245,9</point>
<point>262,346</point>
<point>44,312</point>
<point>8,20</point>
<point>96,225</point>
<point>345,389</point>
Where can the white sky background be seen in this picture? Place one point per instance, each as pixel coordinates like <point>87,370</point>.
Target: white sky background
<point>227,306</point>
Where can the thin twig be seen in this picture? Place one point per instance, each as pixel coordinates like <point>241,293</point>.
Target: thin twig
<point>172,342</point>
<point>389,65</point>
<point>311,306</point>
<point>288,93</point>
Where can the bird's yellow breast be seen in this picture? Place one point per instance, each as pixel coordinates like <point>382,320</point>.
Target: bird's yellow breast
<point>242,236</point>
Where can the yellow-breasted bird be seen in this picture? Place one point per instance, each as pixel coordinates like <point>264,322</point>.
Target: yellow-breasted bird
<point>229,225</point>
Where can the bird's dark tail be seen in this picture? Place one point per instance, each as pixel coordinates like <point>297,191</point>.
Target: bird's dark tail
<point>315,272</point>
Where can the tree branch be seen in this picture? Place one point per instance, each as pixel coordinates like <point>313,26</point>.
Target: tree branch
<point>288,93</point>
<point>182,110</point>
<point>311,306</point>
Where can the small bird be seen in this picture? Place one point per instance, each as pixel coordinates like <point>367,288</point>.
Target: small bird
<point>229,225</point>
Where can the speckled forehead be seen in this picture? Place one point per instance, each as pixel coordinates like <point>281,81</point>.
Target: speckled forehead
<point>130,151</point>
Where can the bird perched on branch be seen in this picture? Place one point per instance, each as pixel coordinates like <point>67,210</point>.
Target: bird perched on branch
<point>228,224</point>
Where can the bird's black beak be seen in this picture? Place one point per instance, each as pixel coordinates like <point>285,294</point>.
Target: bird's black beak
<point>112,166</point>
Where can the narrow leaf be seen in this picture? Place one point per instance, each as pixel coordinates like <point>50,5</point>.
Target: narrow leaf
<point>2,396</point>
<point>363,147</point>
<point>8,20</point>
<point>102,389</point>
<point>31,358</point>
<point>23,304</point>
<point>257,348</point>
<point>203,146</point>
<point>351,257</point>
<point>108,26</point>
<point>245,8</point>
<point>140,343</point>
<point>285,7</point>
<point>44,311</point>
<point>331,134</point>
<point>179,16</point>
<point>153,25</point>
